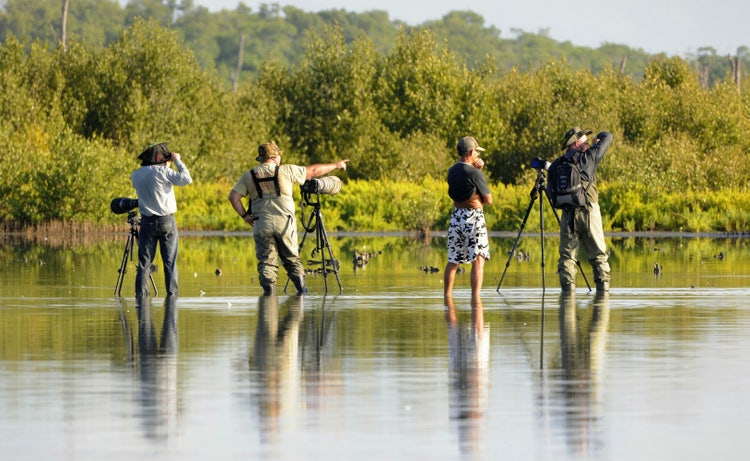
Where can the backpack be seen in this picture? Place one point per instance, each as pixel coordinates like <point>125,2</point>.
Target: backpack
<point>564,185</point>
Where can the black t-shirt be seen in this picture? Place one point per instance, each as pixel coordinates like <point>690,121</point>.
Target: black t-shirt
<point>464,181</point>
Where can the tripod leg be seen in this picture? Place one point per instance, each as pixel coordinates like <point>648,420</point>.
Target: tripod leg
<point>319,246</point>
<point>322,244</point>
<point>153,284</point>
<point>124,264</point>
<point>302,242</point>
<point>308,229</point>
<point>518,237</point>
<point>541,234</point>
<point>578,263</point>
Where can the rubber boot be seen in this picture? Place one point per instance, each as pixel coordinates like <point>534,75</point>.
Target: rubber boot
<point>568,287</point>
<point>269,290</point>
<point>299,284</point>
<point>602,287</point>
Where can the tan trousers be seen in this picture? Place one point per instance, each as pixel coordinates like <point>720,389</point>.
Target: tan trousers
<point>276,238</point>
<point>582,226</point>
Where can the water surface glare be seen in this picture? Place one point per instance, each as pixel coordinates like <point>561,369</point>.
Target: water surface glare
<point>658,369</point>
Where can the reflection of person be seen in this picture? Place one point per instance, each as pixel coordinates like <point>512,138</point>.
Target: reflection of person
<point>154,182</point>
<point>276,359</point>
<point>467,233</point>
<point>584,224</point>
<point>582,350</point>
<point>271,212</point>
<point>469,350</point>
<point>158,368</point>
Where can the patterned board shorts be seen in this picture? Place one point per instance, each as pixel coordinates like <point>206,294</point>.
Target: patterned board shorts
<point>467,236</point>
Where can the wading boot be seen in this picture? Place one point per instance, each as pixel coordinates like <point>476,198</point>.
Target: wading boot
<point>269,290</point>
<point>299,284</point>
<point>602,287</point>
<point>568,287</point>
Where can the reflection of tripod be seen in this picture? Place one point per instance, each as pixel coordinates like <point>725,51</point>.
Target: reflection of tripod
<point>315,223</point>
<point>539,188</point>
<point>134,221</point>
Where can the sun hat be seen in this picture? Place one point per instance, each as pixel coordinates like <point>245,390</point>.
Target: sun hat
<point>268,150</point>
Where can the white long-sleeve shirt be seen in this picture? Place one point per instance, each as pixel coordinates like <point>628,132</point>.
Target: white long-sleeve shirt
<point>154,186</point>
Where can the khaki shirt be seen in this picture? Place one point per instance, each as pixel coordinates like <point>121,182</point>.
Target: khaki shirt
<point>271,203</point>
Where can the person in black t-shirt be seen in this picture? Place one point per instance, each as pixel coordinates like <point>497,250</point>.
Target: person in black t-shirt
<point>468,240</point>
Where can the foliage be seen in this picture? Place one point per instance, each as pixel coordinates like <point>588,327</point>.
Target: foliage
<point>396,206</point>
<point>278,33</point>
<point>83,114</point>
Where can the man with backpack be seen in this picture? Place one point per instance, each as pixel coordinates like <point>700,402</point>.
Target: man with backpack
<point>572,188</point>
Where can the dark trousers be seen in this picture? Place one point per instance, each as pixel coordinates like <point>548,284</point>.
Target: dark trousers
<point>161,230</point>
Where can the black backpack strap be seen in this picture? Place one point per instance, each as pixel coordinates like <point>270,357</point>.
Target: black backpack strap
<point>274,178</point>
<point>576,158</point>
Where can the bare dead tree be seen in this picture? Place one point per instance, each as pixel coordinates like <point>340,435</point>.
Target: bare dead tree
<point>736,64</point>
<point>623,64</point>
<point>236,73</point>
<point>704,76</point>
<point>64,25</point>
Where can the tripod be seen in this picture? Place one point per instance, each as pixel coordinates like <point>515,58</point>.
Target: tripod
<point>134,221</point>
<point>539,189</point>
<point>315,224</point>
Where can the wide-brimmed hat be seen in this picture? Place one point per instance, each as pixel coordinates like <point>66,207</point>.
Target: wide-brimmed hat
<point>573,135</point>
<point>149,153</point>
<point>268,150</point>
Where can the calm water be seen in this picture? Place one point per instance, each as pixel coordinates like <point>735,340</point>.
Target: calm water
<point>659,369</point>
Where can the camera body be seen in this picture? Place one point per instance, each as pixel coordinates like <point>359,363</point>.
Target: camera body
<point>330,185</point>
<point>540,164</point>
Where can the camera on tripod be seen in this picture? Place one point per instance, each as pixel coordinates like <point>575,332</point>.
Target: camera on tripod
<point>122,205</point>
<point>540,164</point>
<point>329,185</point>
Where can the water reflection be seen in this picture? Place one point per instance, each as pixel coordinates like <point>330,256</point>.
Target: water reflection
<point>582,342</point>
<point>319,365</point>
<point>276,361</point>
<point>374,380</point>
<point>157,367</point>
<point>469,352</point>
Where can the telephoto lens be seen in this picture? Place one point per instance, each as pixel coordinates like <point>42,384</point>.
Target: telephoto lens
<point>122,205</point>
<point>329,185</point>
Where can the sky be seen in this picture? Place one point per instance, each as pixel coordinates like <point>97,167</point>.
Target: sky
<point>674,27</point>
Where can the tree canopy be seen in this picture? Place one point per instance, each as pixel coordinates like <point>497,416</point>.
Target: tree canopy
<point>84,113</point>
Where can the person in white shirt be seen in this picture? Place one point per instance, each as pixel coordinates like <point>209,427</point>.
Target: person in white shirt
<point>154,183</point>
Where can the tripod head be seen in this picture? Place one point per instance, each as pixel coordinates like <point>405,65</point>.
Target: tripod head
<point>539,184</point>
<point>307,199</point>
<point>541,165</point>
<point>134,220</point>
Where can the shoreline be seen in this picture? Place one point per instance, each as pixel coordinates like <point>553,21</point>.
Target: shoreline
<point>75,234</point>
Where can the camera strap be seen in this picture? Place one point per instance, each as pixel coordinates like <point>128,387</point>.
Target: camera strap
<point>274,178</point>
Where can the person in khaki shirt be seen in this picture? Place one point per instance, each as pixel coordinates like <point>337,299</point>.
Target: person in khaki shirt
<point>271,212</point>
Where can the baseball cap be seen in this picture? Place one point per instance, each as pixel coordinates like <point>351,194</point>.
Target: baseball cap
<point>467,144</point>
